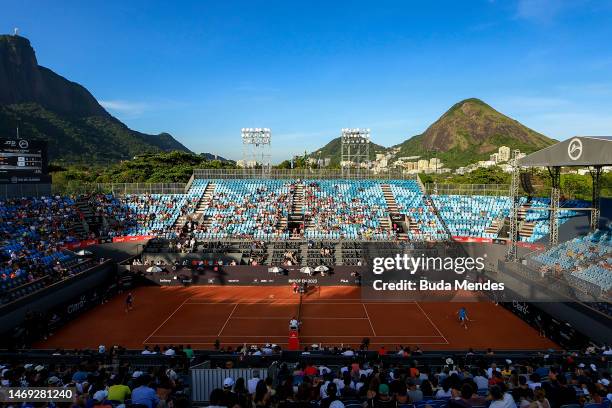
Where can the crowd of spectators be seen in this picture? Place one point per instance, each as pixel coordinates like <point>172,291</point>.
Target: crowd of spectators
<point>100,383</point>
<point>116,216</point>
<point>245,209</point>
<point>33,235</point>
<point>345,210</point>
<point>114,377</point>
<point>359,384</point>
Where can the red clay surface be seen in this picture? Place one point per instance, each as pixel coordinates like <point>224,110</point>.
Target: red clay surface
<point>256,315</point>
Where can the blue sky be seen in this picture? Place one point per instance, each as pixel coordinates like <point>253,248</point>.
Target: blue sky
<point>202,70</point>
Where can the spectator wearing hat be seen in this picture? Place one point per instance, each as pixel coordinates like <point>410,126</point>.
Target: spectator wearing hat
<point>229,397</point>
<point>242,394</point>
<point>100,400</point>
<point>80,375</point>
<point>382,398</point>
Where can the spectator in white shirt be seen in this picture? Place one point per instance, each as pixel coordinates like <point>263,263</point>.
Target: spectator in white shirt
<point>252,383</point>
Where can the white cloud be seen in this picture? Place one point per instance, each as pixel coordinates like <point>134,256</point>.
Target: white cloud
<point>135,109</point>
<point>125,107</point>
<point>544,11</point>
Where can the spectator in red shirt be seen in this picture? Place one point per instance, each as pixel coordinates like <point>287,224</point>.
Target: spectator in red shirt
<point>311,370</point>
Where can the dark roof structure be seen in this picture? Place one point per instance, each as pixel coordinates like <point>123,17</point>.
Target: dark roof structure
<point>575,151</point>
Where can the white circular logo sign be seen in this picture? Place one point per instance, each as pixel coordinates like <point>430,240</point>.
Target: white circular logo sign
<point>574,149</point>
<point>23,144</point>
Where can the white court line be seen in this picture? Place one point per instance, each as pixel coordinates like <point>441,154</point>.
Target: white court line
<point>228,319</point>
<point>294,299</point>
<point>311,336</point>
<point>317,303</point>
<point>283,343</point>
<point>432,323</point>
<point>303,318</point>
<point>164,322</point>
<point>368,316</point>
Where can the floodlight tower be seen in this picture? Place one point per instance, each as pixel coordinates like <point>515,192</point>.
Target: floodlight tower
<point>355,149</point>
<point>256,144</point>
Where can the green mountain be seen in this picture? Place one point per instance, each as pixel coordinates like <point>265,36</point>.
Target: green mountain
<point>45,105</point>
<point>468,132</point>
<point>333,150</point>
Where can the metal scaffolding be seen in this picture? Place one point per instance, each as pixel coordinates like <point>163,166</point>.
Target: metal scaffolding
<point>596,199</point>
<point>355,150</point>
<point>511,255</point>
<point>256,152</point>
<point>555,192</point>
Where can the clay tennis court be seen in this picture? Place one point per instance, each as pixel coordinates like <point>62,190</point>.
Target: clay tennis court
<point>256,315</point>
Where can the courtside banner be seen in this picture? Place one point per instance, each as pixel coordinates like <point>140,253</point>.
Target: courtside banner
<point>133,238</point>
<point>445,272</point>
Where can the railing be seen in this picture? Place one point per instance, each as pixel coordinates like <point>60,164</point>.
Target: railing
<point>438,216</point>
<point>558,285</point>
<point>205,379</point>
<point>468,189</point>
<point>354,174</point>
<point>121,188</point>
<point>24,190</point>
<point>189,183</point>
<point>421,185</point>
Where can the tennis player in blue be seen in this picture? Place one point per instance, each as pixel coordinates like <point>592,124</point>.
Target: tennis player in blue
<point>463,317</point>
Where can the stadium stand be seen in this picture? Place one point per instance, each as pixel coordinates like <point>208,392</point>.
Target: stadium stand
<point>155,213</point>
<point>585,262</point>
<point>33,233</point>
<point>344,209</point>
<point>329,209</point>
<point>245,208</point>
<point>470,216</point>
<point>423,222</point>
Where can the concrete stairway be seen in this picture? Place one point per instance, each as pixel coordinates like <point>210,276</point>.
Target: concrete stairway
<point>495,227</point>
<point>392,207</point>
<point>296,210</point>
<point>203,204</point>
<point>389,199</point>
<point>525,227</point>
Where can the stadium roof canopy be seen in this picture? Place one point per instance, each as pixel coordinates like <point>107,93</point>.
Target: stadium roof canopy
<point>576,151</point>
